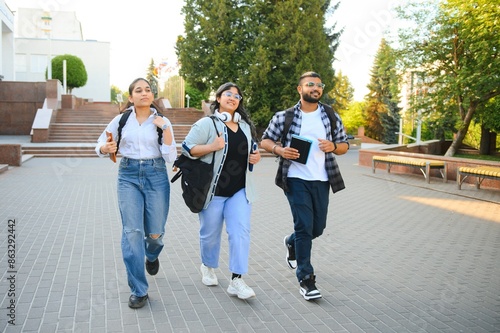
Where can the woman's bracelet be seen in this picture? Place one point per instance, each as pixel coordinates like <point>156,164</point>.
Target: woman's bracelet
<point>272,150</point>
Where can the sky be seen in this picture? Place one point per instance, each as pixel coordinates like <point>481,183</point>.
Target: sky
<point>140,31</point>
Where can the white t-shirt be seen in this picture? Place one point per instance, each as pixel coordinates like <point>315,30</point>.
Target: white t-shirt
<point>312,128</point>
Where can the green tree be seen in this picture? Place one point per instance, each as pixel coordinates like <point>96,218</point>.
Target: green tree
<point>455,42</point>
<point>489,118</point>
<point>382,111</point>
<point>342,94</point>
<point>196,97</point>
<point>115,91</point>
<point>291,38</point>
<point>152,78</point>
<point>353,117</point>
<point>76,74</point>
<point>263,46</point>
<point>214,48</point>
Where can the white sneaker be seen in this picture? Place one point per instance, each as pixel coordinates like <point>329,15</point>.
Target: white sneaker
<point>209,278</point>
<point>239,288</point>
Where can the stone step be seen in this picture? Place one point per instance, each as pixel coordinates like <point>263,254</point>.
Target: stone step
<point>85,123</point>
<point>4,167</point>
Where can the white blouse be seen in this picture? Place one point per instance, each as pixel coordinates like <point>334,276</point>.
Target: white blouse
<point>139,141</point>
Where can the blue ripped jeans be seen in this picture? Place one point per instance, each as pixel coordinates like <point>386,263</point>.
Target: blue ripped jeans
<point>143,199</point>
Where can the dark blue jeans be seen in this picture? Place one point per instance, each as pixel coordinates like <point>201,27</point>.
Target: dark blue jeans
<point>309,204</point>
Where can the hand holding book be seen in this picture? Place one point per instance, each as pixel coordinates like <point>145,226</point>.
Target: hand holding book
<point>303,145</point>
<point>112,156</point>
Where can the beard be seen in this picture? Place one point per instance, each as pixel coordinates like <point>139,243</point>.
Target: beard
<point>309,98</point>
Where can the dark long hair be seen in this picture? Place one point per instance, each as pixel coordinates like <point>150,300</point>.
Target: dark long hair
<point>131,87</point>
<point>241,109</point>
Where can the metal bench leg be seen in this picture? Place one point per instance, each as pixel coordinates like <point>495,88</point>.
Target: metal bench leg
<point>428,172</point>
<point>479,180</point>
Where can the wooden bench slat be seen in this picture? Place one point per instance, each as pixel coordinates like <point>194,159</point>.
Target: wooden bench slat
<point>409,160</point>
<point>480,172</point>
<point>412,162</point>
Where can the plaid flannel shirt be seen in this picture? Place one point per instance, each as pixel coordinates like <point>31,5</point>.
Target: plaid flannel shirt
<point>274,132</point>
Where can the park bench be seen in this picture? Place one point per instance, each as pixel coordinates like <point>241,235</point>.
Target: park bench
<point>424,165</point>
<point>480,172</point>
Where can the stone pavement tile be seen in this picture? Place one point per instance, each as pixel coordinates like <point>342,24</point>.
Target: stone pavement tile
<point>398,255</point>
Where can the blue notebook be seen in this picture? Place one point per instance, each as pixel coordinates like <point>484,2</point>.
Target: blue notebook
<point>303,145</point>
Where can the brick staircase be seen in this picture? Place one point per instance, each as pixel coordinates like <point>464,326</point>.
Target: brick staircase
<point>75,131</point>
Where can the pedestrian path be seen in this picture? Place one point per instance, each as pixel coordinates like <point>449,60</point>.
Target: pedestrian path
<point>398,255</point>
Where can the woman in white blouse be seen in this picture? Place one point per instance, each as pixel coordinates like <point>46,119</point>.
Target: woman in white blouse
<point>143,184</point>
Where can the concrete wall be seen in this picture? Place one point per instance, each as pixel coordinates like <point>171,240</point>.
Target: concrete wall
<point>10,154</point>
<point>19,102</point>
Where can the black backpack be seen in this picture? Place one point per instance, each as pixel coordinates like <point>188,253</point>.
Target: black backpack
<point>196,177</point>
<point>123,121</point>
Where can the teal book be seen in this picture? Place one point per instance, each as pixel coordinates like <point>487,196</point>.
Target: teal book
<point>303,145</point>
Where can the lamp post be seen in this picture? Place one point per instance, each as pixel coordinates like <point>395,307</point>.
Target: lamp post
<point>47,28</point>
<point>188,98</point>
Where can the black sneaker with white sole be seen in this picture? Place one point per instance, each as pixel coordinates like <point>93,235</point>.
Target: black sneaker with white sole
<point>308,288</point>
<point>290,254</point>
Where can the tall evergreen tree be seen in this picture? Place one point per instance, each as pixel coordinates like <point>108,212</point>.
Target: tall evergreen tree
<point>292,39</point>
<point>151,77</point>
<point>342,94</point>
<point>217,37</point>
<point>382,112</point>
<point>264,46</point>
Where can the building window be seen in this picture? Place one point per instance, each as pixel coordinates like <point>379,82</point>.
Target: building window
<point>38,63</point>
<point>21,63</point>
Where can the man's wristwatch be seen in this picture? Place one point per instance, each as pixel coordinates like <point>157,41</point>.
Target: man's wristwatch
<point>164,127</point>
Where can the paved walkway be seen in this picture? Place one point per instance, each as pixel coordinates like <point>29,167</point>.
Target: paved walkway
<point>398,255</point>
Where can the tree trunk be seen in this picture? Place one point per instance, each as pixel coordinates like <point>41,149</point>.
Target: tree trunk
<point>493,143</point>
<point>484,144</point>
<point>459,138</point>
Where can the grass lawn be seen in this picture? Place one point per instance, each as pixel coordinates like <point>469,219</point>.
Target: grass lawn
<point>495,158</point>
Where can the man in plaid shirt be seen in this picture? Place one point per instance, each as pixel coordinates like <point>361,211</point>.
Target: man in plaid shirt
<point>307,185</point>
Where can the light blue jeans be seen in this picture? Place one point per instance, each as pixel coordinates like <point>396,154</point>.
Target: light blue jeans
<point>143,199</point>
<point>236,212</point>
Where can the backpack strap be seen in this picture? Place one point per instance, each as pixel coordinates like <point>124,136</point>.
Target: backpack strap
<point>288,122</point>
<point>123,121</point>
<point>159,130</point>
<point>289,113</point>
<point>333,117</point>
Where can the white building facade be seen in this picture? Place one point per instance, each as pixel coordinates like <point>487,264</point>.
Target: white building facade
<point>41,35</point>
<point>6,43</point>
